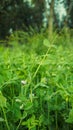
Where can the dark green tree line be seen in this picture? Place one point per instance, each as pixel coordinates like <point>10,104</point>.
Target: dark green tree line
<point>20,15</point>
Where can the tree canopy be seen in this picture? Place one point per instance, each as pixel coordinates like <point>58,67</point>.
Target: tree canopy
<point>20,14</point>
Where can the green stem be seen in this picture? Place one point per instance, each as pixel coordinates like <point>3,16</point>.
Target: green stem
<point>56,120</point>
<point>56,115</point>
<point>5,119</point>
<point>19,124</point>
<point>48,116</point>
<point>41,62</point>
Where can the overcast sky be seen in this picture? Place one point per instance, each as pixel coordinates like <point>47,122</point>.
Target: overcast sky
<point>61,10</point>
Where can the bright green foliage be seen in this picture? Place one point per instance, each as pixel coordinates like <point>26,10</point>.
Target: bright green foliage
<point>2,100</point>
<point>36,87</point>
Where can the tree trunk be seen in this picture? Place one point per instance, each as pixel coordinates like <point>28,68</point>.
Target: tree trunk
<point>51,19</point>
<point>66,26</point>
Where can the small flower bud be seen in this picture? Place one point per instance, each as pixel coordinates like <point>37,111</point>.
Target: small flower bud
<point>23,82</point>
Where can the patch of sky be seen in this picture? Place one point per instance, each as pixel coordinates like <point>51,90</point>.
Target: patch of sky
<point>61,11</point>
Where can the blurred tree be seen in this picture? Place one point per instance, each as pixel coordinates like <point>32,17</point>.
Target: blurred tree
<point>68,19</point>
<point>51,19</point>
<point>19,15</point>
<point>50,15</point>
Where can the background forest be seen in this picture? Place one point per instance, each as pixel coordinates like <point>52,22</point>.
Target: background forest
<point>36,64</point>
<point>37,14</point>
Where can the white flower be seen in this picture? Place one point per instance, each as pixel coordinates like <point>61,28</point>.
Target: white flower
<point>31,95</point>
<point>18,100</point>
<point>21,106</point>
<point>23,82</point>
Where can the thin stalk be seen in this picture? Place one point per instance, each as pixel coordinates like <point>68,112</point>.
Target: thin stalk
<point>56,115</point>
<point>41,62</point>
<point>5,119</point>
<point>31,98</point>
<point>48,114</point>
<point>19,124</point>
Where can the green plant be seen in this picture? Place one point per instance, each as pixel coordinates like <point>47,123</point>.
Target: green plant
<point>36,88</point>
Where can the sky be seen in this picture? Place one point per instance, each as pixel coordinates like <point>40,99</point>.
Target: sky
<point>61,10</point>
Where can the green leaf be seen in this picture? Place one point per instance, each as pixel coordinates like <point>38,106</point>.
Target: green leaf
<point>46,43</point>
<point>70,119</point>
<point>24,115</point>
<point>1,119</point>
<point>28,105</point>
<point>2,100</point>
<point>31,122</point>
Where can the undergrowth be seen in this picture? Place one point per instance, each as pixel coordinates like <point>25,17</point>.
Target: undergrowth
<point>36,84</point>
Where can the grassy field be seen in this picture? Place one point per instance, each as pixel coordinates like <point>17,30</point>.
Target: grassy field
<point>36,84</point>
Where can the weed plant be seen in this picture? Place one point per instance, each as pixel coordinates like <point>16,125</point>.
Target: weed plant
<point>36,84</point>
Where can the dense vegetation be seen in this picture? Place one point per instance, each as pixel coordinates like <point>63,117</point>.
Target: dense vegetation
<point>36,83</point>
<point>36,65</point>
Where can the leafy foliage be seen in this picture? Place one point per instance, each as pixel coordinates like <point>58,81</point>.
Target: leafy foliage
<point>36,88</point>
